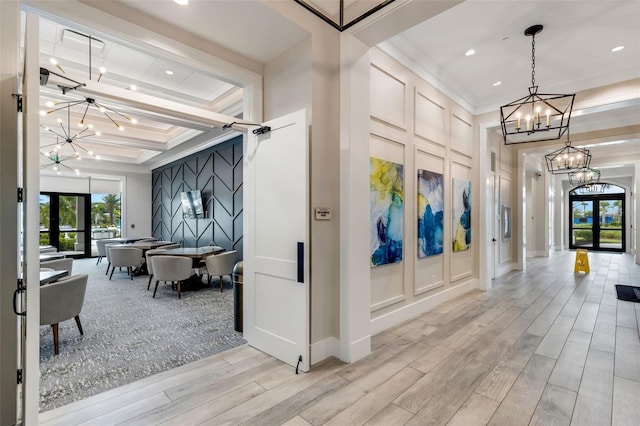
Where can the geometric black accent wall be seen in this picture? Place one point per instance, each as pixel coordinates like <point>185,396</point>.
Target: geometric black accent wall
<point>217,173</point>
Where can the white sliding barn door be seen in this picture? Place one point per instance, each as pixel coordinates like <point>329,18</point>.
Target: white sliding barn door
<point>276,236</point>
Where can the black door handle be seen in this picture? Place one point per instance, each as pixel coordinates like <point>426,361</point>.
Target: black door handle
<point>16,294</point>
<point>300,262</point>
<point>494,240</point>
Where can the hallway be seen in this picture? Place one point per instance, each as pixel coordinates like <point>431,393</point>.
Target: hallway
<point>542,347</point>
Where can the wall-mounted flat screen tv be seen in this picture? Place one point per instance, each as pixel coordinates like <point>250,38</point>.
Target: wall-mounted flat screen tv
<point>192,207</point>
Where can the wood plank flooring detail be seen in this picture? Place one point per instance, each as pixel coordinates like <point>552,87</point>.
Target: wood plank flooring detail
<point>542,347</point>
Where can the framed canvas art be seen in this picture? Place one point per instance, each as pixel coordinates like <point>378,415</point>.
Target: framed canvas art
<point>461,214</point>
<point>387,211</point>
<point>430,213</point>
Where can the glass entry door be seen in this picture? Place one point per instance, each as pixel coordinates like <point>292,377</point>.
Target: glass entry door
<point>64,222</point>
<point>597,221</point>
<point>610,220</point>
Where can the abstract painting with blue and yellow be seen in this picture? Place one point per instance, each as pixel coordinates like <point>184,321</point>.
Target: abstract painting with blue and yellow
<point>461,214</point>
<point>430,212</point>
<point>387,211</point>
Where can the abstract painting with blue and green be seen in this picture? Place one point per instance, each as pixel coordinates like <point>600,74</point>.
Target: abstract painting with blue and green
<point>387,211</point>
<point>430,212</point>
<point>461,214</point>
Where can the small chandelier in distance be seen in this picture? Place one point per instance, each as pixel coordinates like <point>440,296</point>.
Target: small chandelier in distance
<point>584,176</point>
<point>536,117</point>
<point>568,159</point>
<point>57,162</point>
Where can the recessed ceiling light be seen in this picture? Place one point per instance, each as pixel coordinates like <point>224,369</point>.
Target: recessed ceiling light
<point>182,2</point>
<point>169,72</point>
<point>53,61</point>
<point>133,87</point>
<point>470,52</point>
<point>617,48</point>
<point>497,83</point>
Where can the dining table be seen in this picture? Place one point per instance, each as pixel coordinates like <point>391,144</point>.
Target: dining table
<point>192,252</point>
<point>47,277</point>
<point>51,256</point>
<point>122,240</point>
<point>143,245</point>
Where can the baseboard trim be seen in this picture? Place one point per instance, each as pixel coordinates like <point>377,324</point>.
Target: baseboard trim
<point>324,349</point>
<point>415,309</point>
<point>358,349</point>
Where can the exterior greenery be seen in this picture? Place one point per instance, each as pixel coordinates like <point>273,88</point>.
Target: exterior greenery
<point>105,214</point>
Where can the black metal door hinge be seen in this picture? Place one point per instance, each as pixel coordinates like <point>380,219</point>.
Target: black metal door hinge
<point>19,376</point>
<point>18,101</point>
<point>20,195</point>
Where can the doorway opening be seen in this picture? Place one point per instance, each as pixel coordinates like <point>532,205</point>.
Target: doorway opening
<point>65,223</point>
<point>596,219</point>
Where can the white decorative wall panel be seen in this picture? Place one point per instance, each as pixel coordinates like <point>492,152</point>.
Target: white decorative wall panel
<point>414,124</point>
<point>461,135</point>
<point>388,96</point>
<point>429,118</point>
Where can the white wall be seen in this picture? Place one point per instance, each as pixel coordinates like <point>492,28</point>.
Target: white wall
<point>306,76</point>
<point>136,205</point>
<point>414,124</point>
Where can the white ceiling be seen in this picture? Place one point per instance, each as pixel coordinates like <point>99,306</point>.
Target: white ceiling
<point>573,53</point>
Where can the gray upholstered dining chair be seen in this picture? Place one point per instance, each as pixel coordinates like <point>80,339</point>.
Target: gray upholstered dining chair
<point>170,269</point>
<point>60,301</point>
<point>65,264</point>
<point>125,257</point>
<point>219,265</point>
<point>107,248</point>
<point>102,252</point>
<point>149,253</point>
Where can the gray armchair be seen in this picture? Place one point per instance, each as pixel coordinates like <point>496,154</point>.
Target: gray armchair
<point>65,264</point>
<point>102,251</point>
<point>107,250</point>
<point>125,257</point>
<point>60,301</point>
<point>149,253</point>
<point>170,269</point>
<point>220,265</point>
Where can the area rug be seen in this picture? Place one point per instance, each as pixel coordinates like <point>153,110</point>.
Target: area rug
<point>628,293</point>
<point>128,335</point>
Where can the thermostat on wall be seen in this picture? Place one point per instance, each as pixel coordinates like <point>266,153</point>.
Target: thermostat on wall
<point>323,213</point>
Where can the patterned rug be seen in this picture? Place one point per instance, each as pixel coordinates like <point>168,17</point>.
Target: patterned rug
<point>128,335</point>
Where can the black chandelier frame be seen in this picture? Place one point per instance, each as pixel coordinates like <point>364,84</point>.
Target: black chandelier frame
<point>538,116</point>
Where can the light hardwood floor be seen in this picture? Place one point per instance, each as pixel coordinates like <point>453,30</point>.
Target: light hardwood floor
<point>542,347</point>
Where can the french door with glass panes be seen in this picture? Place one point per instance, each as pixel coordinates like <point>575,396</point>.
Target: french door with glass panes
<point>597,222</point>
<point>65,222</point>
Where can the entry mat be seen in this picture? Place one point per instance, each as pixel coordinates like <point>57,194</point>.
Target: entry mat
<point>626,292</point>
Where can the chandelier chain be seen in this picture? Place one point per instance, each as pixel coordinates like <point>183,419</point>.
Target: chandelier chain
<point>533,61</point>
